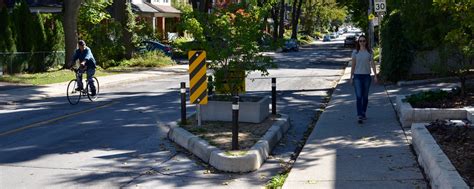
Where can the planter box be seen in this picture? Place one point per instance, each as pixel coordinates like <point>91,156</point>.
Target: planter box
<point>439,170</point>
<point>408,115</point>
<point>217,158</point>
<point>252,112</point>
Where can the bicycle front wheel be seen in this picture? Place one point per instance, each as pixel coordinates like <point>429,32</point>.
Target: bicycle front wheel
<point>73,96</point>
<point>89,91</point>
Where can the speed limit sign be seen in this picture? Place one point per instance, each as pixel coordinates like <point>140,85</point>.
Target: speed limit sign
<point>380,5</point>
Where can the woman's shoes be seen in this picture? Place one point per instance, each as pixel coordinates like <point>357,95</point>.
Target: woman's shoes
<point>360,120</point>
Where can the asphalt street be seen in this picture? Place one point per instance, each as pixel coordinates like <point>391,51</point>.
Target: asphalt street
<point>120,140</point>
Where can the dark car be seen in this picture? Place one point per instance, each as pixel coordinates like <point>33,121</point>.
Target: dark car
<point>291,45</point>
<point>147,46</point>
<point>350,41</point>
<point>326,38</point>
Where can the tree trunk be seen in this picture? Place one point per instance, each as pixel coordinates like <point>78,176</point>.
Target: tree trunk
<point>296,17</point>
<point>275,22</point>
<point>120,14</point>
<point>463,86</point>
<point>201,5</point>
<point>70,11</point>
<point>282,19</point>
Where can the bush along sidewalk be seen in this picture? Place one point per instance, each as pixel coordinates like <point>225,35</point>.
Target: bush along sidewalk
<point>147,60</point>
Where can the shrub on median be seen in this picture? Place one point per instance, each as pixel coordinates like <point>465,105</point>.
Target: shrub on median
<point>149,59</point>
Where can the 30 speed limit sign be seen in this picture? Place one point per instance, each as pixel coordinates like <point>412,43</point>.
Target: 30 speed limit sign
<point>380,5</point>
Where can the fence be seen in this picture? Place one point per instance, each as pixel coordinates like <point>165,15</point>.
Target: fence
<point>18,62</point>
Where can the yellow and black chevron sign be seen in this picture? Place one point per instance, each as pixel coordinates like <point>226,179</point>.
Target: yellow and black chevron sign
<point>197,77</point>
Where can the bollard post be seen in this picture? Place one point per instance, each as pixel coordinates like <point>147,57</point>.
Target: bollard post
<point>183,103</point>
<point>235,123</point>
<point>274,96</point>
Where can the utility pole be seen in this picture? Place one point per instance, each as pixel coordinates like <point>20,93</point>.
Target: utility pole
<point>371,25</point>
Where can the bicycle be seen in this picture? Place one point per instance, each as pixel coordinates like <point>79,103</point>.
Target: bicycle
<point>73,95</point>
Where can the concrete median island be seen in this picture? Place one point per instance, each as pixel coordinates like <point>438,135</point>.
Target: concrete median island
<point>247,159</point>
<point>438,168</point>
<point>408,115</point>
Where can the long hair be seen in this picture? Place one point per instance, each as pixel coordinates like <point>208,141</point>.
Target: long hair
<point>367,46</point>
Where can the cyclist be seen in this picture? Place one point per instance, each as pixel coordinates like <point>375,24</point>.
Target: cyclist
<point>87,64</point>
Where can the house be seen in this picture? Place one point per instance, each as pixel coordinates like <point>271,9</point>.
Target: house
<point>159,13</point>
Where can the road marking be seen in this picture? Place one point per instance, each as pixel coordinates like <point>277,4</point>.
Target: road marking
<point>37,124</point>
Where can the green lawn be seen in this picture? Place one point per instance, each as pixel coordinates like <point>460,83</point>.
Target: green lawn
<point>46,78</point>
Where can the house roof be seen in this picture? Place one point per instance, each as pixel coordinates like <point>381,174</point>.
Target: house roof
<point>142,7</point>
<point>164,8</point>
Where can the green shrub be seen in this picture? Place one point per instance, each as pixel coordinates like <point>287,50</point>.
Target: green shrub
<point>376,54</point>
<point>7,44</point>
<point>305,39</point>
<point>277,181</point>
<point>397,54</point>
<point>427,96</point>
<point>181,46</point>
<point>149,59</point>
<point>318,35</point>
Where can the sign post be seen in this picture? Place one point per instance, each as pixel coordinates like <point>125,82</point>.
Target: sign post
<point>380,8</point>
<point>198,80</point>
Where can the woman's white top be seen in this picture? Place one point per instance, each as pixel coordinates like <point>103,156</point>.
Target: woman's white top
<point>362,58</point>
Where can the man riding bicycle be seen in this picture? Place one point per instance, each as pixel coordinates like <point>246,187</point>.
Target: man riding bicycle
<point>87,64</point>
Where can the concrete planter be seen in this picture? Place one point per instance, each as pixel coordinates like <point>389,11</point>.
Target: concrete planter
<point>252,112</point>
<point>408,115</point>
<point>439,170</point>
<point>217,158</point>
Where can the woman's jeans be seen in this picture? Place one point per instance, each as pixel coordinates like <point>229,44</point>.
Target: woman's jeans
<point>361,85</point>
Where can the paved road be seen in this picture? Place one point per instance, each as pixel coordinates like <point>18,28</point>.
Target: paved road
<point>120,141</point>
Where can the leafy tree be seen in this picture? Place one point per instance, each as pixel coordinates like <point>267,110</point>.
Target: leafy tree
<point>425,24</point>
<point>22,20</point>
<point>7,44</point>
<point>397,55</point>
<point>358,11</point>
<point>37,62</point>
<point>319,14</point>
<point>459,40</point>
<point>229,36</point>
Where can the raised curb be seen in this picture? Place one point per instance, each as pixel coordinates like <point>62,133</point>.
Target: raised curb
<point>408,115</point>
<point>425,81</point>
<point>436,164</point>
<point>470,114</point>
<point>217,158</point>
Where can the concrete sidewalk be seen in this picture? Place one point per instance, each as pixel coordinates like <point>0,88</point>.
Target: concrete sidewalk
<point>340,153</point>
<point>17,93</point>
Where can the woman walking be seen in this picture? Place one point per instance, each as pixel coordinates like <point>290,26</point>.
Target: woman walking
<point>362,62</point>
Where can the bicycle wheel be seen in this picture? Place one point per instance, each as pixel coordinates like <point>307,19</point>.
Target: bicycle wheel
<point>89,94</point>
<point>73,96</point>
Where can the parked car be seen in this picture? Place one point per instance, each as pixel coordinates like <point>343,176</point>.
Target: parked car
<point>326,38</point>
<point>291,45</point>
<point>147,46</point>
<point>333,35</point>
<point>350,41</point>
